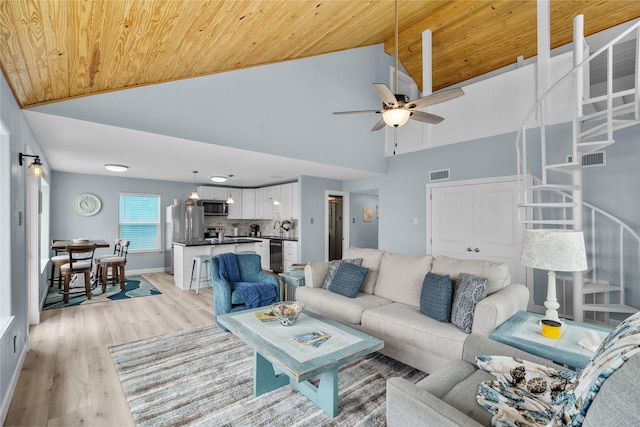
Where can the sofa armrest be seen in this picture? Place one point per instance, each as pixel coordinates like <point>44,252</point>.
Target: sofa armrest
<point>476,345</point>
<point>315,273</point>
<point>410,405</point>
<point>496,308</point>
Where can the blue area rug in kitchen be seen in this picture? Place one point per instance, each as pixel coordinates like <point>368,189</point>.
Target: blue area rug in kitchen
<point>135,286</point>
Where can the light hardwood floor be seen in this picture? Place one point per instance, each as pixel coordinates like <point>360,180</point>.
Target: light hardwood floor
<point>68,378</point>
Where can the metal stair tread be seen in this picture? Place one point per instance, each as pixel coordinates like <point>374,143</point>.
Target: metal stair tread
<point>590,147</point>
<point>564,167</point>
<point>602,114</point>
<point>547,205</point>
<point>554,187</point>
<point>598,287</point>
<point>610,308</point>
<point>548,221</point>
<point>613,95</point>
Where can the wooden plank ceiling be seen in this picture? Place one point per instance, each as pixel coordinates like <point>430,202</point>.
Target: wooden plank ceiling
<point>52,50</point>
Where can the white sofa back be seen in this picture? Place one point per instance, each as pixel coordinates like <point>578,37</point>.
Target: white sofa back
<point>401,276</point>
<point>496,273</point>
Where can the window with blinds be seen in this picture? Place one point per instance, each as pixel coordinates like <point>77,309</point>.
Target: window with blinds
<point>139,221</point>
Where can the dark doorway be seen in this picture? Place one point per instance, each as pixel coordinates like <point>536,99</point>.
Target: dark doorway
<point>335,216</point>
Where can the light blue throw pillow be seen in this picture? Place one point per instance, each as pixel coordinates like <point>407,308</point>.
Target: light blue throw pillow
<point>348,279</point>
<point>469,290</point>
<point>436,296</point>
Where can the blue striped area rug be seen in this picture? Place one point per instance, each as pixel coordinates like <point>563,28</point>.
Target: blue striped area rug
<point>204,377</point>
<point>135,286</point>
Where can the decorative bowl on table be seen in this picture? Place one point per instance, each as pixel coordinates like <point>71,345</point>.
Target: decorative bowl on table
<point>287,311</point>
<point>80,240</point>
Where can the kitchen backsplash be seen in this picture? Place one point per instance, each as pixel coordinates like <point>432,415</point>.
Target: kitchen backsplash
<point>268,227</point>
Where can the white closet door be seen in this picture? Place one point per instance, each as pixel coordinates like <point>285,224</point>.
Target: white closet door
<point>478,221</point>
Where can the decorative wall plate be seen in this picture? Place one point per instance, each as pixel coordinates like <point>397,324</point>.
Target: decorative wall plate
<point>86,204</point>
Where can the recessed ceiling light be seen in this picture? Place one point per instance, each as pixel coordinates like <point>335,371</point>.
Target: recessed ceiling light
<point>116,168</point>
<point>218,178</point>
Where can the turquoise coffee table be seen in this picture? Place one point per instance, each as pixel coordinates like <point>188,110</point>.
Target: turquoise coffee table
<point>280,360</point>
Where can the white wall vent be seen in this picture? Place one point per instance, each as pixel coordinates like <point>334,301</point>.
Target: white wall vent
<point>598,158</point>
<point>441,175</point>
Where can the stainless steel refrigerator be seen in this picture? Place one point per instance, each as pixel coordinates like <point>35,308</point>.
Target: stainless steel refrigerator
<point>184,225</point>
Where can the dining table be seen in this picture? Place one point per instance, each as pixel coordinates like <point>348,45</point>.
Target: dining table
<point>60,245</point>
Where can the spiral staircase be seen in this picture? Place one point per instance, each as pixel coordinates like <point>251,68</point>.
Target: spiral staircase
<point>551,181</point>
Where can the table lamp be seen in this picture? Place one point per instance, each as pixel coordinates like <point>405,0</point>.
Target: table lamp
<point>553,250</point>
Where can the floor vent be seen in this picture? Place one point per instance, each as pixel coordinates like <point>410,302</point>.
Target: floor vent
<point>597,158</point>
<point>441,175</point>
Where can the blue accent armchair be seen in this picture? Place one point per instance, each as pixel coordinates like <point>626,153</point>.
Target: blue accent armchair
<point>225,298</point>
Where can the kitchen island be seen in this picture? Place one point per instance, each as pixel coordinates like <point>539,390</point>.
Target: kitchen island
<point>184,252</point>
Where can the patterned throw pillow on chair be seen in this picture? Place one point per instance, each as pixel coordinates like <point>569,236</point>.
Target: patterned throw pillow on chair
<point>469,290</point>
<point>333,267</point>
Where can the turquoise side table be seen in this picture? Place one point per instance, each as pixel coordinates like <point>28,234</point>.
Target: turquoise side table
<point>291,281</point>
<point>523,331</point>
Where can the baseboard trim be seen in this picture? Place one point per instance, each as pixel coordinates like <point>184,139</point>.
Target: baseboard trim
<point>14,382</point>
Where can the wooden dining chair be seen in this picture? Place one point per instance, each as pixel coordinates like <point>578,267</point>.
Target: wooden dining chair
<point>117,266</point>
<point>59,258</point>
<point>80,259</point>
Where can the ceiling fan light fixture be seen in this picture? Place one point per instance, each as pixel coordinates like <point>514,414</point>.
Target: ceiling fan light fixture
<point>218,178</point>
<point>396,117</point>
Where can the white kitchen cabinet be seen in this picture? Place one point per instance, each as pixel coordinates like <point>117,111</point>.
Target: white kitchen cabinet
<point>248,203</point>
<point>235,209</point>
<point>289,200</point>
<point>259,203</point>
<point>220,193</point>
<point>208,192</point>
<point>205,192</point>
<point>262,249</point>
<point>289,254</point>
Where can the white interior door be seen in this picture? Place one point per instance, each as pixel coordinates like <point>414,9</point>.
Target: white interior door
<point>478,221</point>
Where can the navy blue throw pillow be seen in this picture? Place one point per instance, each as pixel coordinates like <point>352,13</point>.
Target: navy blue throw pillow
<point>348,279</point>
<point>436,297</point>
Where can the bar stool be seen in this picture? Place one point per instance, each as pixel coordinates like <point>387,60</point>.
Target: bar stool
<point>80,262</point>
<point>200,261</point>
<point>117,265</point>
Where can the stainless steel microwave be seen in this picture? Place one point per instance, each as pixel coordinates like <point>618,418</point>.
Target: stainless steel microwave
<point>214,207</point>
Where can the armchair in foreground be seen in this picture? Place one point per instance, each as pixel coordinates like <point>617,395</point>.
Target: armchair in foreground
<point>239,283</point>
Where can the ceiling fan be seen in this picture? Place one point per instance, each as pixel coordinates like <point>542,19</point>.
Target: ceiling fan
<point>397,109</point>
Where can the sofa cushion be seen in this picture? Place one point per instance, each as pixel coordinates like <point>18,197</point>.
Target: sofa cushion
<point>401,277</point>
<point>333,268</point>
<point>348,279</point>
<point>457,384</point>
<point>436,297</point>
<point>371,259</point>
<point>496,273</point>
<point>469,290</point>
<point>336,306</point>
<point>404,323</point>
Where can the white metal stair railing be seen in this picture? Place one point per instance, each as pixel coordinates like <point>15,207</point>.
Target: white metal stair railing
<point>557,202</point>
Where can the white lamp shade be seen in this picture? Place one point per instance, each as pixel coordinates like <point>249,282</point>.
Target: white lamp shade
<point>555,250</point>
<point>396,117</point>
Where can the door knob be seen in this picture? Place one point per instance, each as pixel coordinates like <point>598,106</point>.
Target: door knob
<point>476,250</point>
<point>468,249</point>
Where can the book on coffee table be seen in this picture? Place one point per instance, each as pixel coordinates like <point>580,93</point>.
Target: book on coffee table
<point>314,339</point>
<point>266,315</point>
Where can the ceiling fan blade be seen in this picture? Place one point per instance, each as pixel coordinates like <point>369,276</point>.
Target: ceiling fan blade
<point>436,98</point>
<point>385,94</point>
<point>357,112</point>
<point>378,125</point>
<point>426,117</point>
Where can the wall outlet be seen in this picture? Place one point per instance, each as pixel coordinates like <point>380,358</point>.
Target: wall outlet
<point>353,221</point>
<point>415,221</point>
<point>311,220</point>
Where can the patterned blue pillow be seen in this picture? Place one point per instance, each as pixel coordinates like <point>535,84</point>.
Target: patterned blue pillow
<point>333,267</point>
<point>348,279</point>
<point>469,290</point>
<point>436,296</point>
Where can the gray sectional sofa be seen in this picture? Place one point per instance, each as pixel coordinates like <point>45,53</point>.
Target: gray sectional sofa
<point>388,304</point>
